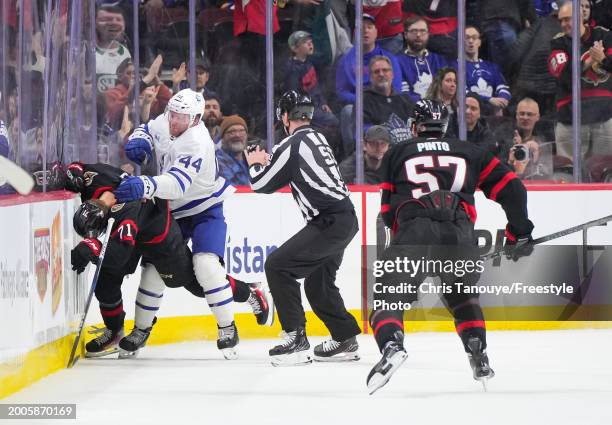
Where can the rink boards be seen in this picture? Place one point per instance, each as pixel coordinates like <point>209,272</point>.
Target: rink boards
<point>41,298</point>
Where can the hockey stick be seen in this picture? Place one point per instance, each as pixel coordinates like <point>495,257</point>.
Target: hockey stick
<point>597,222</point>
<point>16,176</point>
<point>74,358</point>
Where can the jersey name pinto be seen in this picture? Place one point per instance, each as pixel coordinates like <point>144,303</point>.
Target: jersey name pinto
<point>188,171</point>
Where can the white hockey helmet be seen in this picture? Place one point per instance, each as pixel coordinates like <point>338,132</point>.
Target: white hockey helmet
<point>188,102</point>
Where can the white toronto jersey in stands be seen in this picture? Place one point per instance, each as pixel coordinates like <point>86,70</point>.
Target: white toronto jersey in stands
<point>188,169</point>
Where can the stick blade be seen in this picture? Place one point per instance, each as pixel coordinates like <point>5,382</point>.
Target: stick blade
<point>16,176</point>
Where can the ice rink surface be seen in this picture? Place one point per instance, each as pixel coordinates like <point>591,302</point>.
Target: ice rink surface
<point>542,377</point>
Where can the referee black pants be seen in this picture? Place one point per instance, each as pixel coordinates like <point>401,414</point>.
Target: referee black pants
<point>315,254</point>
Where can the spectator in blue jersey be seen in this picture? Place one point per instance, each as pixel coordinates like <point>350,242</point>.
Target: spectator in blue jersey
<point>484,77</point>
<point>4,151</point>
<point>543,8</point>
<point>230,158</point>
<point>301,76</point>
<point>418,66</point>
<point>345,76</point>
<point>345,72</point>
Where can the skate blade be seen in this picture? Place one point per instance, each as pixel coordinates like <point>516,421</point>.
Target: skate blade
<point>301,358</point>
<point>229,353</point>
<point>270,318</point>
<point>108,352</point>
<point>484,380</point>
<point>268,296</point>
<point>344,357</point>
<point>124,354</point>
<point>378,380</point>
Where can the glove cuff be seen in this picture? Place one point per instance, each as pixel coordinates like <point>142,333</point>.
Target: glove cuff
<point>150,186</point>
<point>94,245</point>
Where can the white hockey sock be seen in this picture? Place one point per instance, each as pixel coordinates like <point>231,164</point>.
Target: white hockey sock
<point>149,297</point>
<point>218,291</point>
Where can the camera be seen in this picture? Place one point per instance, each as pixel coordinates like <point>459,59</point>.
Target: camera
<point>521,152</point>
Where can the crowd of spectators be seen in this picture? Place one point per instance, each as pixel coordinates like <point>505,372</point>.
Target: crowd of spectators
<point>518,77</point>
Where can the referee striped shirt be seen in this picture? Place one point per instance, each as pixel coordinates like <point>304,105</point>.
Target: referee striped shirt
<point>306,163</point>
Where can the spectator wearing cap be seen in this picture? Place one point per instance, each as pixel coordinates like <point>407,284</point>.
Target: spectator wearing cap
<point>180,77</point>
<point>345,72</point>
<point>301,75</point>
<point>478,131</point>
<point>382,105</point>
<point>232,164</point>
<point>213,117</point>
<point>418,66</point>
<point>376,144</point>
<point>345,76</point>
<point>388,15</point>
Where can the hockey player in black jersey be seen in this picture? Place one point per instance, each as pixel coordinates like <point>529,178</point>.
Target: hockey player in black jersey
<point>305,162</point>
<point>142,229</point>
<point>428,202</point>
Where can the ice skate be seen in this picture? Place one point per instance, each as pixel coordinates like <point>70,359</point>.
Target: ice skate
<point>337,351</point>
<point>479,361</point>
<point>105,344</point>
<point>227,341</point>
<point>293,351</point>
<point>137,339</point>
<point>394,355</point>
<point>261,302</point>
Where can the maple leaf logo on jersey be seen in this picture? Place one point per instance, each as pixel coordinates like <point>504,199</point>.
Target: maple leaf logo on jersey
<point>482,88</point>
<point>88,176</point>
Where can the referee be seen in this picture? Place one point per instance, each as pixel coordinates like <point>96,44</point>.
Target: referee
<point>305,162</point>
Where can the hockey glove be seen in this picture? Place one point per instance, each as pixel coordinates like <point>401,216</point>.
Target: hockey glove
<point>517,246</point>
<point>75,180</point>
<point>139,147</point>
<point>133,188</point>
<point>88,250</point>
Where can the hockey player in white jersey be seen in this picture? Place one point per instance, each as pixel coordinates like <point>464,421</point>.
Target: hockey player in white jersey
<point>189,177</point>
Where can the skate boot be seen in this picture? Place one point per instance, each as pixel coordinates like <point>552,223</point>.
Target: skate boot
<point>104,344</point>
<point>337,351</point>
<point>293,351</point>
<point>227,341</point>
<point>261,302</point>
<point>479,361</point>
<point>394,355</point>
<point>131,344</point>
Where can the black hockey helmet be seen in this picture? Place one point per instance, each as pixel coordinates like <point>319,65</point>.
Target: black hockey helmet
<point>430,117</point>
<point>298,105</point>
<point>90,219</point>
<point>92,180</point>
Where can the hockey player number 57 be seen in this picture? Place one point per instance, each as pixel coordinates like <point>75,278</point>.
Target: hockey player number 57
<point>417,173</point>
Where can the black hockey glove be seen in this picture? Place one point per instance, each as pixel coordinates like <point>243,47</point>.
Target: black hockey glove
<point>518,247</point>
<point>88,250</point>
